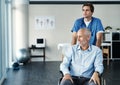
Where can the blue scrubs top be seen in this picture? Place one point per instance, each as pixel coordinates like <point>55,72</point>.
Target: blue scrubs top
<point>94,26</point>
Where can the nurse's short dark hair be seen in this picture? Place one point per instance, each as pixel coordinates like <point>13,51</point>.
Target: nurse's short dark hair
<point>90,5</point>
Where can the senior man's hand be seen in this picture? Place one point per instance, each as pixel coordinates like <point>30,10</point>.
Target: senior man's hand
<point>95,78</point>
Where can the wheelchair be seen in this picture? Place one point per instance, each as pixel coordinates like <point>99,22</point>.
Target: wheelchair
<point>65,47</point>
<point>102,81</point>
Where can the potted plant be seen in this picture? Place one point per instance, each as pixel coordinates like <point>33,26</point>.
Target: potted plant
<point>108,28</point>
<point>118,29</point>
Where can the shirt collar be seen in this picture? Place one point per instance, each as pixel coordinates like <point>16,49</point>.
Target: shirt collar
<point>89,49</point>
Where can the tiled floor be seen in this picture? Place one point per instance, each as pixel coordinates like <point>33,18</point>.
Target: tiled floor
<point>39,73</point>
<point>112,73</point>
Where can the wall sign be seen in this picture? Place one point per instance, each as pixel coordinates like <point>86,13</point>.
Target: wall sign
<point>44,22</point>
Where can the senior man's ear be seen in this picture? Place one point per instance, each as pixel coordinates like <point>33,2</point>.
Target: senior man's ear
<point>88,38</point>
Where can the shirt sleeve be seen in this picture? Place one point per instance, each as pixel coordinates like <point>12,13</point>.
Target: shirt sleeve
<point>99,26</point>
<point>77,25</point>
<point>99,62</point>
<point>74,27</point>
<point>64,66</point>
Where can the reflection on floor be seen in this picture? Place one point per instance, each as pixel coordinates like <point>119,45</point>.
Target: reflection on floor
<point>39,73</point>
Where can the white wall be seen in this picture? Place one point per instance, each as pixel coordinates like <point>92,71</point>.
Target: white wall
<point>109,14</point>
<point>65,16</point>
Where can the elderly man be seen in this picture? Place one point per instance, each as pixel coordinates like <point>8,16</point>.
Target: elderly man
<point>83,62</point>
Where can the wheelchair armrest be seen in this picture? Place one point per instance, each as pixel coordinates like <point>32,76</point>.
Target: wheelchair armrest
<point>102,81</point>
<point>61,73</point>
<point>60,77</point>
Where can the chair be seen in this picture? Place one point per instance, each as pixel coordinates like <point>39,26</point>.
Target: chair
<point>64,47</point>
<point>102,80</point>
<point>106,52</point>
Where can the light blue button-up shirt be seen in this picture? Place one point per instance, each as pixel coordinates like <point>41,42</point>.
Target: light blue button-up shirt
<point>82,63</point>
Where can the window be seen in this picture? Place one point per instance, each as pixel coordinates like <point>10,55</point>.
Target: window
<point>0,43</point>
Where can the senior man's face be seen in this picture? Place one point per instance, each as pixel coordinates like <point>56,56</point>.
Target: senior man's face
<point>82,38</point>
